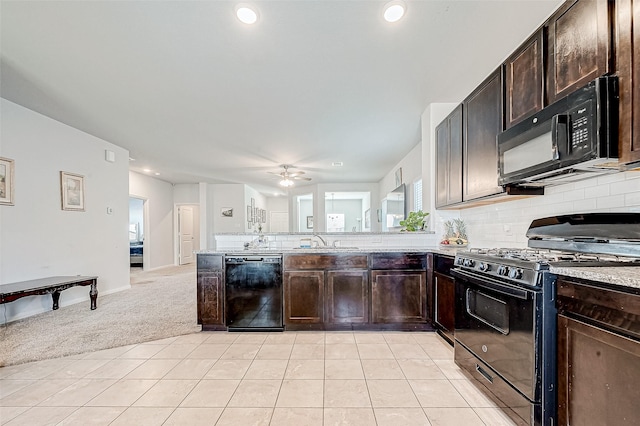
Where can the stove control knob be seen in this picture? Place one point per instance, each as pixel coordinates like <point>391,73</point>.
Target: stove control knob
<point>469,263</point>
<point>515,273</point>
<point>484,267</point>
<point>502,270</point>
<point>460,261</point>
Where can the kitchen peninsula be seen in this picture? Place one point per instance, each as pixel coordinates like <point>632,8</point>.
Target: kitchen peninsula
<point>348,281</point>
<point>331,289</point>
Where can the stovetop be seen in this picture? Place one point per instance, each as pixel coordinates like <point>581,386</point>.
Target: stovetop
<point>555,257</point>
<point>524,266</point>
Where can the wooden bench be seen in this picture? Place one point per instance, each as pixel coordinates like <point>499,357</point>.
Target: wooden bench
<point>48,285</point>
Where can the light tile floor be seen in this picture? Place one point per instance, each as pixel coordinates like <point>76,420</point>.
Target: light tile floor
<point>219,378</point>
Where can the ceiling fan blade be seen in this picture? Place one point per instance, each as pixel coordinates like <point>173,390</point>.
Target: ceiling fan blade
<point>299,178</point>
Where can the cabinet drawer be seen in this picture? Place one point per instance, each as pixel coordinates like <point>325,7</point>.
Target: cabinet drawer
<point>617,311</point>
<point>325,261</point>
<point>405,261</point>
<point>209,262</point>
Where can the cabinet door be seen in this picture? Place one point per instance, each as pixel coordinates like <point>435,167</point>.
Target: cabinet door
<point>444,289</point>
<point>398,296</point>
<point>210,290</point>
<point>210,297</point>
<point>524,80</point>
<point>482,123</point>
<point>598,376</point>
<point>579,46</point>
<point>628,70</point>
<point>449,159</point>
<point>303,297</point>
<point>348,296</point>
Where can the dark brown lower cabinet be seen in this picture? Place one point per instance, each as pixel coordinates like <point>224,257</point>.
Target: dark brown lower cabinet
<point>210,291</point>
<point>445,299</point>
<point>347,295</point>
<point>398,296</point>
<point>598,355</point>
<point>303,297</point>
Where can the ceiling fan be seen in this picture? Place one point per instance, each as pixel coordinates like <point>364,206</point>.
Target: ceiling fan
<point>287,177</point>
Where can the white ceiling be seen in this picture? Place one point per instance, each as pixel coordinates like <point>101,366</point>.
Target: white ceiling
<point>199,97</point>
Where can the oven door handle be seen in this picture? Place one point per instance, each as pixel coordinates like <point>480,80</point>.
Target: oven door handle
<point>491,284</point>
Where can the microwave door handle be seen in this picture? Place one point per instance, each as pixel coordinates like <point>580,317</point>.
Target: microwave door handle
<point>559,133</point>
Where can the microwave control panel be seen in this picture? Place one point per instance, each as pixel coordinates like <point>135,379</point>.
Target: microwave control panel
<point>580,129</point>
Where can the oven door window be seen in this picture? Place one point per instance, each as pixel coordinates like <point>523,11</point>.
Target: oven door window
<point>491,311</point>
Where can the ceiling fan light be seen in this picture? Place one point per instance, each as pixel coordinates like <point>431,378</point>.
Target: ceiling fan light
<point>286,182</point>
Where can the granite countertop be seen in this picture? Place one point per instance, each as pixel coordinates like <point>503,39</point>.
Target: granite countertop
<point>332,250</point>
<point>625,276</point>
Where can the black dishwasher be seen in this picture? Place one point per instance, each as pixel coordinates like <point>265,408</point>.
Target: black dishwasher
<point>253,285</point>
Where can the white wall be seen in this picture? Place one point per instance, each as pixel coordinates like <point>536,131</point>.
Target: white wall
<point>38,238</point>
<point>158,242</point>
<point>184,193</point>
<point>411,166</point>
<point>225,195</point>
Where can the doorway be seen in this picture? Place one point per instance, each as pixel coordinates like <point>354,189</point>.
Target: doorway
<point>136,232</point>
<point>188,238</point>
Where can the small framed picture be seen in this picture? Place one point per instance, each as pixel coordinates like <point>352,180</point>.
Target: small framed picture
<point>263,216</point>
<point>249,215</point>
<point>399,177</point>
<point>226,212</point>
<point>309,222</point>
<point>72,189</point>
<point>6,181</point>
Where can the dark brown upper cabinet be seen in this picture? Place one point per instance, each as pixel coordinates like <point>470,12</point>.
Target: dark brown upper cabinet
<point>524,80</point>
<point>579,46</point>
<point>628,70</point>
<point>449,159</point>
<point>483,120</point>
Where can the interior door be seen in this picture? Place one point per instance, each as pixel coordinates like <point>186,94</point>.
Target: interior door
<point>185,231</point>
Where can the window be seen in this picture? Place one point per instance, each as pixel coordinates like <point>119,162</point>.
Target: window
<point>417,195</point>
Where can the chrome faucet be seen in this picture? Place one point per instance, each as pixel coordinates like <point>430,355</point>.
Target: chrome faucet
<point>324,242</point>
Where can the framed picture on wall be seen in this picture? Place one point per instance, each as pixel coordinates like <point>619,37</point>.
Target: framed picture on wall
<point>309,222</point>
<point>263,216</point>
<point>72,191</point>
<point>249,216</point>
<point>6,181</point>
<point>399,176</point>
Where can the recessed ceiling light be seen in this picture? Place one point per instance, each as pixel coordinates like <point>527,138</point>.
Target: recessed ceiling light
<point>146,170</point>
<point>157,174</point>
<point>394,10</point>
<point>247,14</point>
<point>337,164</point>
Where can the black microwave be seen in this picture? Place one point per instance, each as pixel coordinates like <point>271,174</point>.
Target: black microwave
<point>574,138</point>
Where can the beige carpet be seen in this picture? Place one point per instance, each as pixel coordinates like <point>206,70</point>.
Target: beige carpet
<point>159,304</point>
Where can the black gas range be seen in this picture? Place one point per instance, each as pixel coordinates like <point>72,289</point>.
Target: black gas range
<point>506,319</point>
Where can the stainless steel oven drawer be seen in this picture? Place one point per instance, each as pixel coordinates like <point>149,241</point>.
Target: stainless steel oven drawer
<point>512,402</point>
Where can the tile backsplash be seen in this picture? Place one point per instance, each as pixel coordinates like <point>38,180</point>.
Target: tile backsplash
<point>505,224</point>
